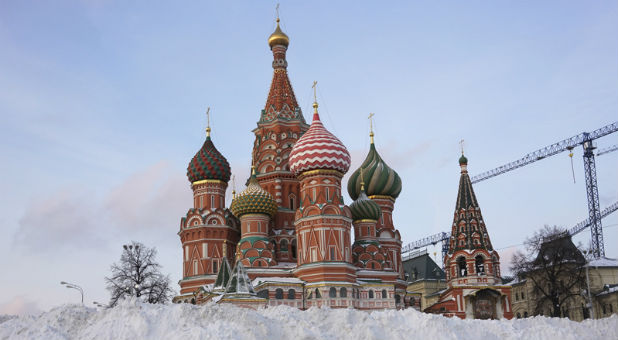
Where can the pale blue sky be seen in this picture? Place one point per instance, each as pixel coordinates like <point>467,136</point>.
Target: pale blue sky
<point>102,106</point>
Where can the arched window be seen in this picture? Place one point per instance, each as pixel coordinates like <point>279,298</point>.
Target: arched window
<point>283,245</point>
<point>412,301</point>
<point>461,264</point>
<point>279,294</point>
<point>397,299</point>
<point>384,295</point>
<point>294,249</point>
<point>525,314</point>
<point>371,294</point>
<point>263,294</point>
<point>518,316</point>
<point>343,292</point>
<point>332,292</point>
<point>292,203</point>
<point>479,267</point>
<point>291,294</point>
<point>317,294</point>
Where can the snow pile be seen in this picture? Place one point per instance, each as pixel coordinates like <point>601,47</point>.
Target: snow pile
<point>134,320</point>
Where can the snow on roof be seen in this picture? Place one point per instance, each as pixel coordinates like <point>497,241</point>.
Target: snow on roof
<point>260,280</point>
<point>603,262</point>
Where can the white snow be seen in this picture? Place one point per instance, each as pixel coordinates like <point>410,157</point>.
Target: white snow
<point>135,320</point>
<point>603,262</point>
<point>259,280</point>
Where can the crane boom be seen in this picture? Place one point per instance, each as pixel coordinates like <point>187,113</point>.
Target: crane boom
<point>607,150</point>
<point>586,223</point>
<point>547,151</point>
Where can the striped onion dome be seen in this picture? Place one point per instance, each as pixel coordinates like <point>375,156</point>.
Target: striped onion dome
<point>364,208</point>
<point>379,178</point>
<point>208,163</point>
<point>318,149</point>
<point>253,200</point>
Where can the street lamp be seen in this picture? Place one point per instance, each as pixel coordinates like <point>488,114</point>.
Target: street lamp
<point>74,286</point>
<point>590,304</point>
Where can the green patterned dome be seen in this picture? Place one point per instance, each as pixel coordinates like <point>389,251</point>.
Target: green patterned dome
<point>463,160</point>
<point>364,208</point>
<point>253,200</point>
<point>208,163</point>
<point>379,178</point>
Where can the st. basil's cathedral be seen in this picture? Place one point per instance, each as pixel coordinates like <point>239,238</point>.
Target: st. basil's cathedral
<point>290,239</point>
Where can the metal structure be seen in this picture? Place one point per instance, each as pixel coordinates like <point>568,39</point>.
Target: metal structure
<point>594,221</point>
<point>579,227</point>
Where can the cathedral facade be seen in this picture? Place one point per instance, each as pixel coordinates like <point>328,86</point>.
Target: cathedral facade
<point>289,236</point>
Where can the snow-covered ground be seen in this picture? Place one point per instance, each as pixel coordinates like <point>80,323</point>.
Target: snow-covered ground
<point>131,320</point>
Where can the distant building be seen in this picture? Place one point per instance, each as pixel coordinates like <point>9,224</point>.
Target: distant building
<point>425,280</point>
<point>474,287</point>
<point>289,234</point>
<point>601,274</point>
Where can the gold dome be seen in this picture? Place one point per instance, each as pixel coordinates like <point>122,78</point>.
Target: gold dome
<point>278,37</point>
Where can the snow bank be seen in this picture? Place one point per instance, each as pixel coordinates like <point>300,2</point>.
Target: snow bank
<point>134,320</point>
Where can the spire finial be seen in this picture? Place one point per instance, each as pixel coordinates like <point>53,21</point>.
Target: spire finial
<point>233,186</point>
<point>362,179</point>
<point>461,142</point>
<point>315,96</point>
<point>208,122</point>
<point>277,9</point>
<point>371,126</point>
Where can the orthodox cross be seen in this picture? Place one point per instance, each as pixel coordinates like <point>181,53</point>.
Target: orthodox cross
<point>461,142</point>
<point>277,9</point>
<point>315,96</point>
<point>208,122</point>
<point>233,186</point>
<point>371,126</point>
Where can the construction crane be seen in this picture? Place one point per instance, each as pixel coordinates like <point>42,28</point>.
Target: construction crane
<point>586,140</point>
<point>607,150</point>
<point>445,237</point>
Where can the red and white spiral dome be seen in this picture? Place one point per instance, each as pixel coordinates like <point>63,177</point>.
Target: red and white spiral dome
<point>318,149</point>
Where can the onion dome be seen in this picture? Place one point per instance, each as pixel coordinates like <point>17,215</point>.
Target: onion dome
<point>318,149</point>
<point>278,37</point>
<point>364,208</point>
<point>379,178</point>
<point>463,160</point>
<point>253,200</point>
<point>208,163</point>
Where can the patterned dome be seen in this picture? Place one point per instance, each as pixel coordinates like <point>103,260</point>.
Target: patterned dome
<point>364,208</point>
<point>208,163</point>
<point>318,149</point>
<point>253,200</point>
<point>379,178</point>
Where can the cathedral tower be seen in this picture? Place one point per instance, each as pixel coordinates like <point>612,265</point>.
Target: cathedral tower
<point>281,124</point>
<point>382,185</point>
<point>209,231</point>
<point>254,207</point>
<point>320,160</point>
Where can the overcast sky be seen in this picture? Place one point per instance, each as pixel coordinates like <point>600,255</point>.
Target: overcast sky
<point>102,106</point>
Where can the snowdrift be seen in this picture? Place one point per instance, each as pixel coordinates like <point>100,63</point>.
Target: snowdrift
<point>135,320</point>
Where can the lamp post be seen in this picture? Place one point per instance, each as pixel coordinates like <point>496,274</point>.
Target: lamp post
<point>590,304</point>
<point>74,286</point>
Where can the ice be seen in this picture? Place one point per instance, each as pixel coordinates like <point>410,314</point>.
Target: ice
<point>132,319</point>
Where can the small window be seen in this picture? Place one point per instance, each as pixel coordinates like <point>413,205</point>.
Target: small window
<point>212,201</point>
<point>371,294</point>
<point>522,295</point>
<point>291,294</point>
<point>317,294</point>
<point>279,294</point>
<point>332,292</point>
<point>332,253</point>
<point>195,267</point>
<point>343,292</point>
<point>215,266</point>
<point>518,316</point>
<point>516,296</point>
<point>384,294</point>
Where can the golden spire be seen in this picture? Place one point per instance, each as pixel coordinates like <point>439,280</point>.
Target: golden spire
<point>278,37</point>
<point>208,122</point>
<point>315,96</point>
<point>362,179</point>
<point>371,126</point>
<point>233,186</point>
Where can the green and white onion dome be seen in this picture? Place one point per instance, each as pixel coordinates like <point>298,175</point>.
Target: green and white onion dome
<point>379,178</point>
<point>364,208</point>
<point>253,200</point>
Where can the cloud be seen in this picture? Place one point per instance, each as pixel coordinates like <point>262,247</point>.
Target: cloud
<point>152,199</point>
<point>19,305</point>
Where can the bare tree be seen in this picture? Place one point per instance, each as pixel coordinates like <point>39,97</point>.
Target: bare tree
<point>555,266</point>
<point>137,274</point>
